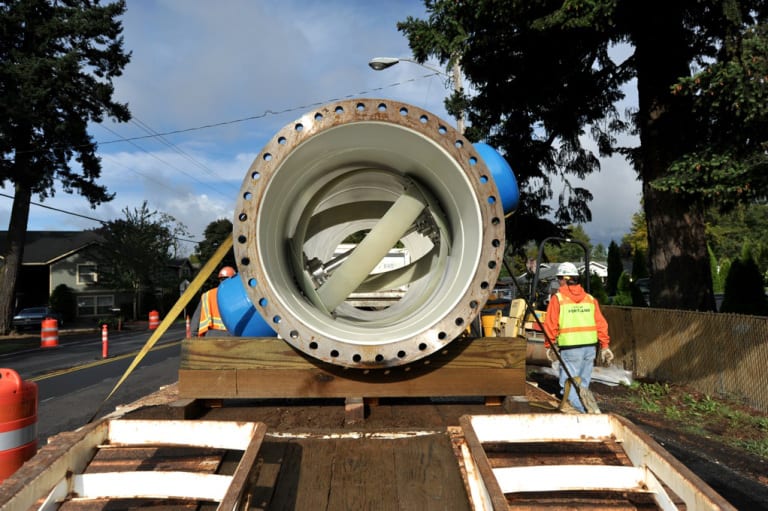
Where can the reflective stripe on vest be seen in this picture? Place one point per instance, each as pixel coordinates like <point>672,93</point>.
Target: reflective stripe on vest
<point>210,317</point>
<point>577,322</point>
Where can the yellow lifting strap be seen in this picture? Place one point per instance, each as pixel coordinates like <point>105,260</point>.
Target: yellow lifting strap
<point>178,307</point>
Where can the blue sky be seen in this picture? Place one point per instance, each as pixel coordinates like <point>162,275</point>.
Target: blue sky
<point>251,67</point>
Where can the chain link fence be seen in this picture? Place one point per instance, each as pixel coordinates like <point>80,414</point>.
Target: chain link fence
<point>718,354</point>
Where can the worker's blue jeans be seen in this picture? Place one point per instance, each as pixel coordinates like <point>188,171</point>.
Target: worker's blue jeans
<point>580,362</point>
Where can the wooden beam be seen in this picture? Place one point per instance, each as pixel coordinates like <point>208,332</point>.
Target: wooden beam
<point>271,368</point>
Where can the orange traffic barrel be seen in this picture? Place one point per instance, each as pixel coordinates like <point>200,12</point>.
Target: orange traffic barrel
<point>49,333</point>
<point>154,320</point>
<point>18,421</point>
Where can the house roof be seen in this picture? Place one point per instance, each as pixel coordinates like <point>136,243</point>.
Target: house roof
<point>46,247</point>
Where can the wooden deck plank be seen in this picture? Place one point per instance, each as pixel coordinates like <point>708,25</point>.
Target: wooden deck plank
<point>203,460</point>
<point>316,469</point>
<point>271,457</point>
<point>427,474</point>
<point>363,476</point>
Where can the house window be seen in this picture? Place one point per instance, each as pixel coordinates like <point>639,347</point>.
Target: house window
<point>104,304</point>
<point>95,305</point>
<point>87,274</point>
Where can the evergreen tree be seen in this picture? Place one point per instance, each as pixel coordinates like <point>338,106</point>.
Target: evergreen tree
<point>623,291</point>
<point>725,269</point>
<point>574,252</point>
<point>728,232</point>
<point>639,268</point>
<point>638,300</point>
<point>718,276</point>
<point>215,233</point>
<point>597,289</point>
<point>57,63</point>
<point>637,238</point>
<point>599,252</point>
<point>615,268</point>
<point>744,289</point>
<point>542,75</point>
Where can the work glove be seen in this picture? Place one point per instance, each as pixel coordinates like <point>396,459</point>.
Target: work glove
<point>606,356</point>
<point>551,356</point>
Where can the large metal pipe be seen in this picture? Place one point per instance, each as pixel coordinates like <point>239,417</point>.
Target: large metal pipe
<point>372,175</point>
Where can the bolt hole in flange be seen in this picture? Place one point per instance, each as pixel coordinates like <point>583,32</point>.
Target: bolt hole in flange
<point>369,233</point>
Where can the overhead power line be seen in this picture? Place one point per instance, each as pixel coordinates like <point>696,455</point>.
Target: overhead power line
<point>148,129</point>
<point>156,157</point>
<point>266,113</point>
<point>72,213</point>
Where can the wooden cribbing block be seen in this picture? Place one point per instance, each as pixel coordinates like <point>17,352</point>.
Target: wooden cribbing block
<point>258,367</point>
<point>186,409</point>
<point>354,411</point>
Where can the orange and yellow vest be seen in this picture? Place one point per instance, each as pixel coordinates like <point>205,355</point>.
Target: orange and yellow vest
<point>577,322</point>
<point>210,318</point>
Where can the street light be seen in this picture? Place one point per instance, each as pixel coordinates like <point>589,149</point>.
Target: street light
<point>381,63</point>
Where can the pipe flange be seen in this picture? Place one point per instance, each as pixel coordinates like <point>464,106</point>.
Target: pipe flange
<point>398,177</point>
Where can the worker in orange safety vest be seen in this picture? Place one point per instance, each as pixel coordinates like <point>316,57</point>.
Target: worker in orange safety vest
<point>575,323</point>
<point>207,315</point>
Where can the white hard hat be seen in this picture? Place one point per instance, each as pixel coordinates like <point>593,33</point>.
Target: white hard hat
<point>567,270</point>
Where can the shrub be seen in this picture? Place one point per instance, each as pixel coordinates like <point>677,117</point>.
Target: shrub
<point>63,301</point>
<point>744,292</point>
<point>623,291</point>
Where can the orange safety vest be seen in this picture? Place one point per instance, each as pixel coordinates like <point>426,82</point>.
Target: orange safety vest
<point>577,322</point>
<point>210,317</point>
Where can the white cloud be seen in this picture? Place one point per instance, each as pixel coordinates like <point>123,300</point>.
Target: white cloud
<point>617,197</point>
<point>197,63</point>
<point>617,194</point>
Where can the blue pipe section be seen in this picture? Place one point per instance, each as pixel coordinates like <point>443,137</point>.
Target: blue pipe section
<point>238,312</point>
<point>502,175</point>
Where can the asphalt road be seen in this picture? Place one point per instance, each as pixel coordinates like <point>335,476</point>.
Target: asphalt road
<point>74,379</point>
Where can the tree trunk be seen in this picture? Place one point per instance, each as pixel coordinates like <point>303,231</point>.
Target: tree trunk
<point>679,262</point>
<point>680,270</point>
<point>14,255</point>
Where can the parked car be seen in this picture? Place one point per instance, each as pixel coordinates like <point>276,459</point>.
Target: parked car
<point>32,318</point>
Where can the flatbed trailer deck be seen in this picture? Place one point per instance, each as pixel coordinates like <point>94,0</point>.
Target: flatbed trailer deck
<point>421,454</point>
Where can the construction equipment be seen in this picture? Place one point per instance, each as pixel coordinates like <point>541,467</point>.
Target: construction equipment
<point>537,292</point>
<point>540,297</point>
<point>585,395</point>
